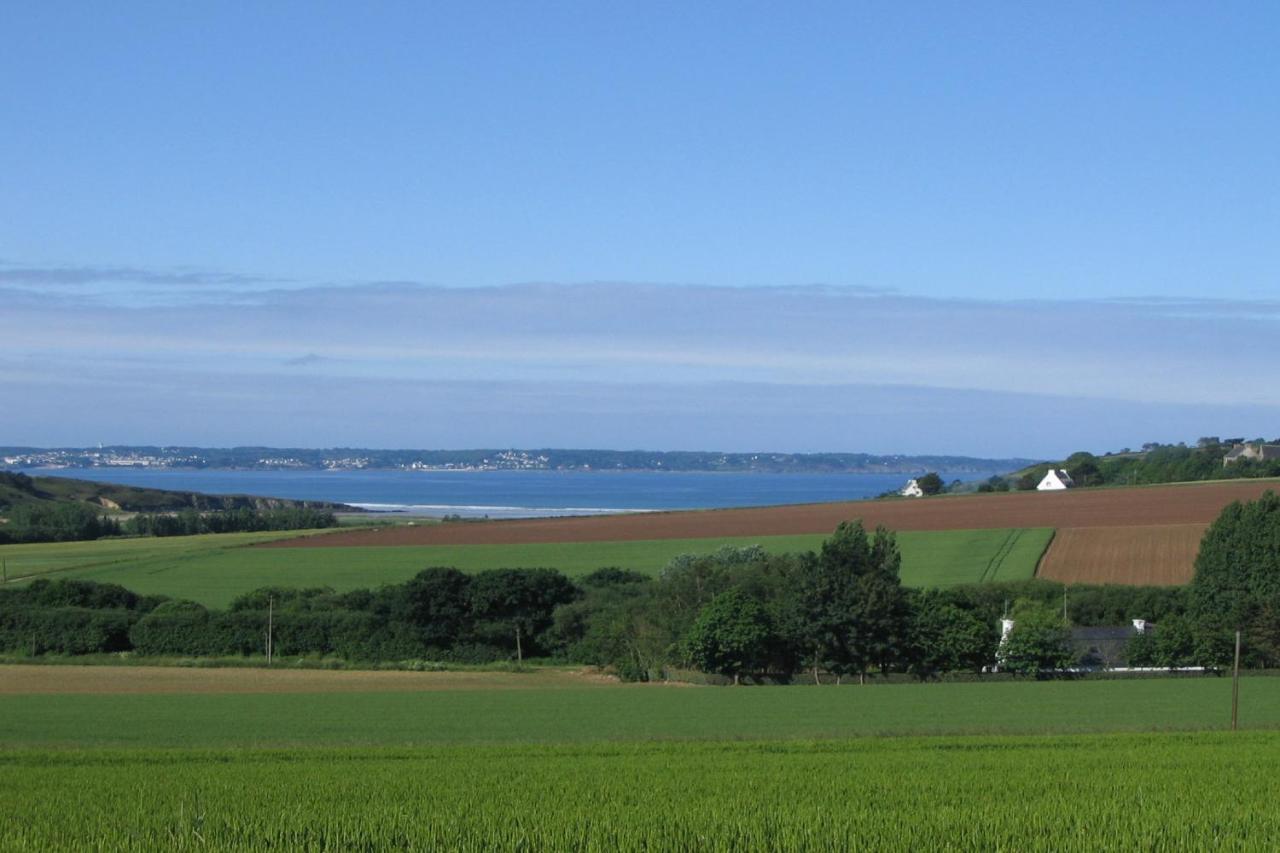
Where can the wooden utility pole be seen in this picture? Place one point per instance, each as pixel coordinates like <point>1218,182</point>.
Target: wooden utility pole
<point>1235,687</point>
<point>270,624</point>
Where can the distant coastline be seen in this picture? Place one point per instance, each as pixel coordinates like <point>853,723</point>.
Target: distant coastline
<point>512,494</point>
<point>354,459</point>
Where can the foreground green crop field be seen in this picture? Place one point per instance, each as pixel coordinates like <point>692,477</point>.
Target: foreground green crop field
<point>625,713</point>
<point>1116,792</point>
<point>640,768</point>
<point>214,569</point>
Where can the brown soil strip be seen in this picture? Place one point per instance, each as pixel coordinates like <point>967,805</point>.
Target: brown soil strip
<point>1123,507</point>
<point>1155,555</point>
<point>28,679</point>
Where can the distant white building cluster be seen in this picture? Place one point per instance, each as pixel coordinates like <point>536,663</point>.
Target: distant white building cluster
<point>95,458</point>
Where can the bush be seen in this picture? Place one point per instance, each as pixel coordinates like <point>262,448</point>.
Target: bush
<point>65,630</point>
<point>58,522</point>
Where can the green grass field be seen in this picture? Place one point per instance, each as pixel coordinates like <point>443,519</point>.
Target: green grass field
<point>645,768</point>
<point>1118,792</point>
<point>214,569</point>
<point>627,713</point>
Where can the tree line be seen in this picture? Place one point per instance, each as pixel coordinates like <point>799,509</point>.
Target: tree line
<point>65,521</point>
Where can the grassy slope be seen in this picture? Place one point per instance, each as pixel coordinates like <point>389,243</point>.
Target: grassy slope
<point>628,713</point>
<point>213,569</point>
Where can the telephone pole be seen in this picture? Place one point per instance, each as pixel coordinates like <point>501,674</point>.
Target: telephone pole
<point>1235,687</point>
<point>270,624</point>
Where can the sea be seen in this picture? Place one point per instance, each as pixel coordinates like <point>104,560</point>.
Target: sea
<point>512,494</point>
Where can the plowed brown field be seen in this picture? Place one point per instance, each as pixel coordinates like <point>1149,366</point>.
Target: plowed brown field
<point>1151,555</point>
<point>1149,505</point>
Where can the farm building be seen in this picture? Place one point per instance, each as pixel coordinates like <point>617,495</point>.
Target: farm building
<point>912,490</point>
<point>1105,647</point>
<point>1055,481</point>
<point>1257,452</point>
<point>1095,647</point>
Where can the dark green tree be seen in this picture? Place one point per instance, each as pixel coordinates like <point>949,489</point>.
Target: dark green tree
<point>930,484</point>
<point>853,612</point>
<point>948,638</point>
<point>518,603</point>
<point>1237,581</point>
<point>437,603</point>
<point>1083,469</point>
<point>1170,643</point>
<point>730,636</point>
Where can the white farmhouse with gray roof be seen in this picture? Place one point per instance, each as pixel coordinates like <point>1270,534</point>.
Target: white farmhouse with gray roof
<point>1055,481</point>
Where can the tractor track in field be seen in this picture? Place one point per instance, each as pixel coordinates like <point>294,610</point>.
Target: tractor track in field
<point>992,571</point>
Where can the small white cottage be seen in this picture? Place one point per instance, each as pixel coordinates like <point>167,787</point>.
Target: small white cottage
<point>912,490</point>
<point>1055,481</point>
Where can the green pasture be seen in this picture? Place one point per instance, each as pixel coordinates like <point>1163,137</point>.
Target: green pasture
<point>214,569</point>
<point>628,713</point>
<point>1116,792</point>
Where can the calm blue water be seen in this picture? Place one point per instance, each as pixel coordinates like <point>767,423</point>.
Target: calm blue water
<point>513,494</point>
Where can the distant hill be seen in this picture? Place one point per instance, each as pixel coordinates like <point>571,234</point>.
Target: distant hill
<point>18,489</point>
<point>346,458</point>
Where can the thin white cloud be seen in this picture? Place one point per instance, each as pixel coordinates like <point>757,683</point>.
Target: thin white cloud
<point>1153,351</point>
<point>585,348</point>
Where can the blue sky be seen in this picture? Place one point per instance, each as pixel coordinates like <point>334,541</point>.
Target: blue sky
<point>1006,229</point>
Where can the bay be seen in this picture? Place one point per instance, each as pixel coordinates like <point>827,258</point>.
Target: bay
<point>512,494</point>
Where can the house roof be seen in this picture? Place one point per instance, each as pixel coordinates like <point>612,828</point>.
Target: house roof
<point>1102,632</point>
<point>1259,451</point>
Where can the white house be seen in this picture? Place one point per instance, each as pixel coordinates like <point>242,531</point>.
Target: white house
<point>912,490</point>
<point>1055,481</point>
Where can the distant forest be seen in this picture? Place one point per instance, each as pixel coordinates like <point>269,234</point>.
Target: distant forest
<point>274,458</point>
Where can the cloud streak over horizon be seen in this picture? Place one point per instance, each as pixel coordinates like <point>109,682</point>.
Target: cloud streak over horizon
<point>234,337</point>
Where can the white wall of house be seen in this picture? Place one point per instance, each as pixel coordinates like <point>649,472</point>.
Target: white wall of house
<point>912,490</point>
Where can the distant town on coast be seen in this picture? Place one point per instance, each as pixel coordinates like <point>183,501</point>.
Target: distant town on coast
<point>272,458</point>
